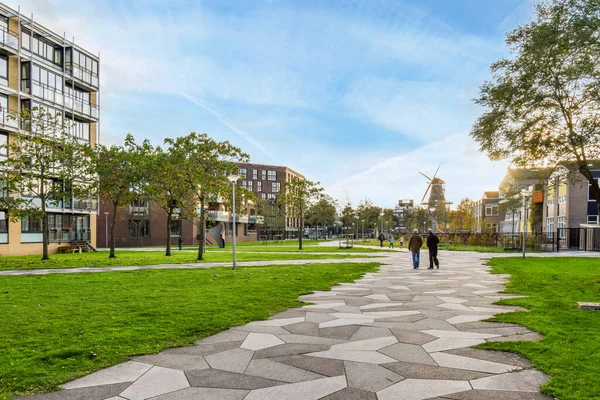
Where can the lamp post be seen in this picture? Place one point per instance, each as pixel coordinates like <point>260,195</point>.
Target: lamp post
<point>381,214</point>
<point>363,229</point>
<point>356,218</point>
<point>233,178</point>
<point>106,227</point>
<point>525,193</point>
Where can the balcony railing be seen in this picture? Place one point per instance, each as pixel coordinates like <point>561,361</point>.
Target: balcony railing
<point>83,74</point>
<point>81,106</point>
<point>9,39</point>
<point>9,119</point>
<point>47,93</point>
<point>136,211</point>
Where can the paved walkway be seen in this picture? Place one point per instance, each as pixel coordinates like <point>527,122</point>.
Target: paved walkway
<point>395,334</point>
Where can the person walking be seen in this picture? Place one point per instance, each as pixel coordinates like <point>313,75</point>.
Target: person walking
<point>381,239</point>
<point>402,241</point>
<point>392,240</point>
<point>180,241</point>
<point>414,245</point>
<point>432,244</point>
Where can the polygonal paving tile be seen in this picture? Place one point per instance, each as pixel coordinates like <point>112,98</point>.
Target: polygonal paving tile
<point>369,377</point>
<point>194,393</point>
<point>409,353</point>
<point>325,305</point>
<point>454,306</point>
<point>366,345</point>
<point>497,395</point>
<point>214,378</point>
<point>125,372</point>
<point>225,336</point>
<point>460,319</point>
<point>370,357</point>
<point>174,361</point>
<point>457,334</point>
<point>204,349</point>
<point>303,339</point>
<point>379,305</point>
<point>269,369</point>
<point>318,317</point>
<point>338,332</point>
<point>502,357</point>
<point>273,330</point>
<point>411,337</point>
<point>235,360</point>
<point>311,390</point>
<point>304,328</point>
<point>259,341</point>
<point>523,381</point>
<point>435,324</point>
<point>88,393</point>
<point>527,337</point>
<point>277,322</point>
<point>289,349</point>
<point>424,371</point>
<point>346,322</point>
<point>380,297</point>
<point>448,344</point>
<point>155,382</point>
<point>473,364</point>
<point>323,366</point>
<point>370,332</point>
<point>419,389</point>
<point>351,394</point>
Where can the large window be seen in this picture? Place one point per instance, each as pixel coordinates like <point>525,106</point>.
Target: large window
<point>81,130</point>
<point>491,209</point>
<point>591,196</point>
<point>244,172</point>
<point>3,70</point>
<point>550,226</point>
<point>31,225</point>
<point>3,146</point>
<point>139,228</point>
<point>254,174</point>
<point>272,175</point>
<point>47,84</point>
<point>592,219</point>
<point>249,185</point>
<point>259,186</point>
<point>276,187</point>
<point>3,222</point>
<point>175,227</point>
<point>263,175</point>
<point>42,48</point>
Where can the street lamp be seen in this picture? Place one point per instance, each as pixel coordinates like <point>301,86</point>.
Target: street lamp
<point>233,178</point>
<point>106,227</point>
<point>356,218</point>
<point>381,214</point>
<point>363,229</point>
<point>525,193</point>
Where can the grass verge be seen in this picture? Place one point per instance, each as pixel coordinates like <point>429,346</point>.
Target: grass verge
<point>58,327</point>
<point>570,349</point>
<point>132,258</point>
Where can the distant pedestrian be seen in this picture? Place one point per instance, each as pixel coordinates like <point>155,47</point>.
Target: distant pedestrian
<point>180,241</point>
<point>381,239</point>
<point>432,244</point>
<point>392,240</point>
<point>414,245</point>
<point>402,241</point>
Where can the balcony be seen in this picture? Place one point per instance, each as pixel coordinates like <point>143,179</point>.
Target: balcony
<point>82,75</point>
<point>220,216</point>
<point>9,119</point>
<point>538,197</point>
<point>81,107</point>
<point>139,212</point>
<point>87,205</point>
<point>45,92</point>
<point>9,42</point>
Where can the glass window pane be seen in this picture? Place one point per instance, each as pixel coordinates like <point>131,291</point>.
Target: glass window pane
<point>36,73</point>
<point>44,76</point>
<point>3,67</point>
<point>51,80</point>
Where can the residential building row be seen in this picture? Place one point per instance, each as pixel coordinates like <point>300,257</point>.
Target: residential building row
<point>41,68</point>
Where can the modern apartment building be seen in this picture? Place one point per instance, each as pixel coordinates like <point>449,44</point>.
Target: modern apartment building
<point>487,212</point>
<point>402,208</point>
<point>41,68</point>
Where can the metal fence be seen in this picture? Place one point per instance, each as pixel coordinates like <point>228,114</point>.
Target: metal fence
<point>538,241</point>
<point>582,239</point>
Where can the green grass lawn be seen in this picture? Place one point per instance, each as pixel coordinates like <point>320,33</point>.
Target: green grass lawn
<point>58,327</point>
<point>127,258</point>
<point>570,350</point>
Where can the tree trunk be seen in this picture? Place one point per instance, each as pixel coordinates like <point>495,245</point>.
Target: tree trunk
<point>113,223</point>
<point>201,230</point>
<point>301,230</point>
<point>168,253</point>
<point>45,255</point>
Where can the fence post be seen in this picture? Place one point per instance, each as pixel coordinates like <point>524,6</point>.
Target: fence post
<point>585,239</point>
<point>556,239</point>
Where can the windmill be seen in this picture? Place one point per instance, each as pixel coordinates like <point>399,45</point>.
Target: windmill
<point>437,197</point>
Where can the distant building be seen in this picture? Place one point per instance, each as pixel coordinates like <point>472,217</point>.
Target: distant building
<point>487,212</point>
<point>403,207</point>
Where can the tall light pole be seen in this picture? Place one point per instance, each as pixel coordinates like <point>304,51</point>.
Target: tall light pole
<point>106,227</point>
<point>356,218</point>
<point>363,229</point>
<point>233,178</point>
<point>381,214</point>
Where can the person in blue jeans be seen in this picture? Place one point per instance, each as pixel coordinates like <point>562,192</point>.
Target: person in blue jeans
<point>414,245</point>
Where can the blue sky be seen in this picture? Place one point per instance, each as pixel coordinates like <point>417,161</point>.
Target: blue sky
<point>359,95</point>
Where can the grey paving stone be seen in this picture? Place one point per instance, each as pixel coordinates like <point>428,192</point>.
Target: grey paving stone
<point>367,344</point>
<point>339,332</point>
<point>213,378</point>
<point>371,357</point>
<point>311,390</point>
<point>225,336</point>
<point>369,377</point>
<point>155,382</point>
<point>289,349</point>
<point>412,326</point>
<point>408,353</point>
<point>496,356</point>
<point>175,361</point>
<point>369,332</point>
<point>411,337</point>
<point>204,349</point>
<point>289,314</point>
<point>303,339</point>
<point>89,393</point>
<point>527,337</point>
<point>424,371</point>
<point>419,389</point>
<point>195,393</point>
<point>323,366</point>
<point>522,381</point>
<point>468,326</point>
<point>318,317</point>
<point>304,328</point>
<point>274,330</point>
<point>351,394</point>
<point>235,360</point>
<point>435,324</point>
<point>497,395</point>
<point>471,364</point>
<point>267,368</point>
<point>259,341</point>
<point>125,372</point>
<point>406,318</point>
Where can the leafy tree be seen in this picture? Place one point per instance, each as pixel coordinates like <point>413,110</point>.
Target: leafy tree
<point>513,200</point>
<point>44,166</point>
<point>273,217</point>
<point>462,217</point>
<point>204,164</point>
<point>542,105</point>
<point>297,195</point>
<point>323,212</point>
<point>123,176</point>
<point>347,215</point>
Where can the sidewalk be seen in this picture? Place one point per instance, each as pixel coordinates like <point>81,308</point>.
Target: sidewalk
<point>395,334</point>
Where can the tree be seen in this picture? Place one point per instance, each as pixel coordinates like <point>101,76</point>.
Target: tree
<point>44,166</point>
<point>323,212</point>
<point>542,105</point>
<point>122,171</point>
<point>297,195</point>
<point>204,165</point>
<point>462,217</point>
<point>513,200</point>
<point>347,215</point>
<point>168,188</point>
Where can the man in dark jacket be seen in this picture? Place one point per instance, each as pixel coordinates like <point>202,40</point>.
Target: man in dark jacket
<point>414,246</point>
<point>432,244</point>
<point>381,239</point>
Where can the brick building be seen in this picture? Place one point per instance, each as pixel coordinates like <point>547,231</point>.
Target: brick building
<point>487,212</point>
